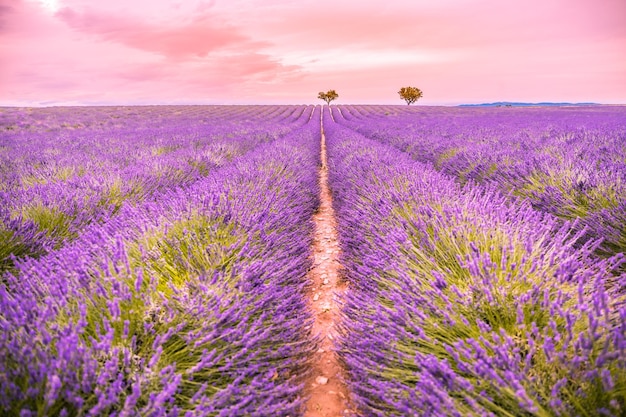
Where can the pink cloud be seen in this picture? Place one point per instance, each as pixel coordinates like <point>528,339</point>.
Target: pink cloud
<point>20,17</point>
<point>452,24</point>
<point>5,14</point>
<point>257,51</point>
<point>198,37</point>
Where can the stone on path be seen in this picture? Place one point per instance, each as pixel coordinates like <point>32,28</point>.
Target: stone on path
<point>321,380</point>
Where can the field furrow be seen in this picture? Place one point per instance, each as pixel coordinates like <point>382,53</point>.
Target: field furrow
<point>326,389</point>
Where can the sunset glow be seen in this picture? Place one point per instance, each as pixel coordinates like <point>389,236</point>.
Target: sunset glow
<point>55,52</point>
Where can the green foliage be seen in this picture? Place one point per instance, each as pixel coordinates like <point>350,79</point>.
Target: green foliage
<point>189,248</point>
<point>117,192</point>
<point>573,202</point>
<point>162,149</point>
<point>12,244</point>
<point>468,272</point>
<point>148,295</point>
<point>446,156</point>
<point>56,223</point>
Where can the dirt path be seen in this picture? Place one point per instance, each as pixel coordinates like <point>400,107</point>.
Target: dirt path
<point>328,395</point>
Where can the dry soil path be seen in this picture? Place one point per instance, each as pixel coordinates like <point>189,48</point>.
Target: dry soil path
<point>328,395</point>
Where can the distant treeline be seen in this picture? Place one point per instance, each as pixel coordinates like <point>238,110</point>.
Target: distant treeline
<point>515,104</point>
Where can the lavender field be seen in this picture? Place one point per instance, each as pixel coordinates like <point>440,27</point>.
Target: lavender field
<point>154,260</point>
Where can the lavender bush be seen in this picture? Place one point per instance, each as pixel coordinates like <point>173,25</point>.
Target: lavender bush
<point>570,162</point>
<point>189,304</point>
<point>464,302</point>
<point>63,170</point>
<point>153,260</point>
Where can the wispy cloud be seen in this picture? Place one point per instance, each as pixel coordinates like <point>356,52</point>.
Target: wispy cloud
<point>198,37</point>
<point>285,51</point>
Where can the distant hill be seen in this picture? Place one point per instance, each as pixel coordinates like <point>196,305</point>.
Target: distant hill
<point>517,104</point>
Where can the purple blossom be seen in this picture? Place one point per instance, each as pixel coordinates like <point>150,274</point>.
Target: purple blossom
<point>510,298</point>
<point>230,215</point>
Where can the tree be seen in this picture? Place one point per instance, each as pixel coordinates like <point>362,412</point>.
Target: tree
<point>328,96</point>
<point>410,94</point>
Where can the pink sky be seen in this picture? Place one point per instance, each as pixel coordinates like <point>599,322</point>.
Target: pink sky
<point>55,52</point>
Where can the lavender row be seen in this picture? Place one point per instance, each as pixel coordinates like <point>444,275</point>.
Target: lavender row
<point>53,184</point>
<point>29,120</point>
<point>464,302</point>
<point>570,162</point>
<point>191,305</point>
